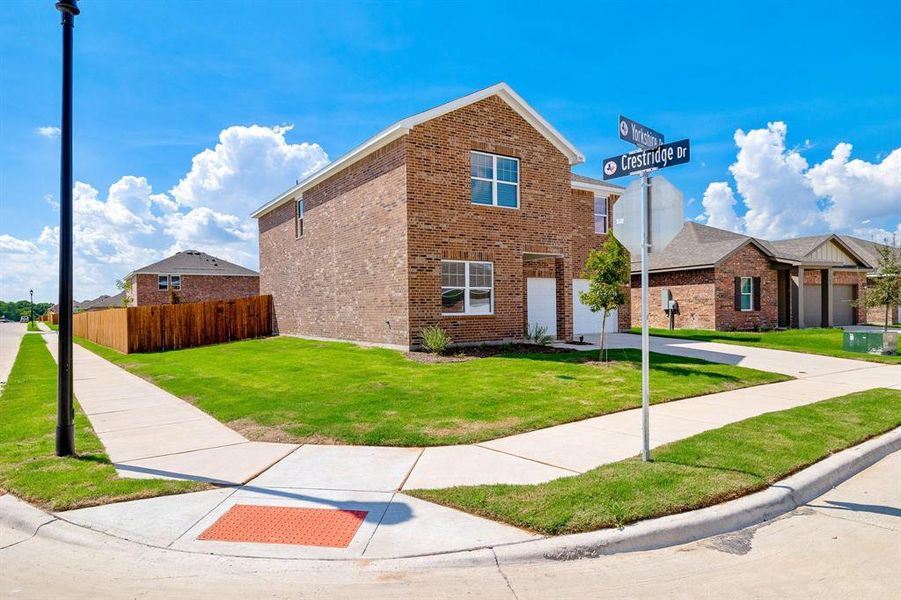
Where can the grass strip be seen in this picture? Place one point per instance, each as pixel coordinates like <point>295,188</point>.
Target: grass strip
<point>699,471</point>
<point>29,467</point>
<point>295,390</point>
<point>826,342</point>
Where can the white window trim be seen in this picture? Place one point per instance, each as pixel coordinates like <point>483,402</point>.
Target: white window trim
<point>494,181</point>
<point>606,200</point>
<point>299,210</point>
<point>749,293</point>
<point>466,288</point>
<point>159,283</point>
<point>172,284</point>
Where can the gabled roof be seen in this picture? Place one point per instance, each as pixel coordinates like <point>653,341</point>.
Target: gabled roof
<point>581,182</point>
<point>193,262</point>
<point>402,127</point>
<point>104,301</point>
<point>697,246</point>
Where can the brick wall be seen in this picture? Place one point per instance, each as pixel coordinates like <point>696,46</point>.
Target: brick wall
<point>747,262</point>
<point>693,290</point>
<point>194,288</point>
<point>444,224</point>
<point>346,277</point>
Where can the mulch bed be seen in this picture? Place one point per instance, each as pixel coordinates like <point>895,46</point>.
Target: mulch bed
<point>472,352</point>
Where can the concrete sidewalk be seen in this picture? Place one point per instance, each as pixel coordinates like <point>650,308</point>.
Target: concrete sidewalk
<point>10,337</point>
<point>148,432</point>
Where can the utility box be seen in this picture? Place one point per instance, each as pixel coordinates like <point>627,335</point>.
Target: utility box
<point>871,342</point>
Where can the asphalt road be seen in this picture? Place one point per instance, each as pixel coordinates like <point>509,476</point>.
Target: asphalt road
<point>845,544</point>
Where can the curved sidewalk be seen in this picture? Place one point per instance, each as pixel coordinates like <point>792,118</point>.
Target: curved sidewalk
<point>371,479</point>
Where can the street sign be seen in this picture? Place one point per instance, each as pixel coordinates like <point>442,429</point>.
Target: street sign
<point>638,134</point>
<point>667,155</point>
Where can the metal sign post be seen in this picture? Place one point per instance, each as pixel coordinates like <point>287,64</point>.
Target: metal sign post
<point>652,154</point>
<point>645,337</point>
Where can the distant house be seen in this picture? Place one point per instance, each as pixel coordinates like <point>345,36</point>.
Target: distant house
<point>101,302</point>
<point>191,276</point>
<point>728,281</point>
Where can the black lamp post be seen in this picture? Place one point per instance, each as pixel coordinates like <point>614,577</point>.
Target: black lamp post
<point>65,413</point>
<point>31,298</point>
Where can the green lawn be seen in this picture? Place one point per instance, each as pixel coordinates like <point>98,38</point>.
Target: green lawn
<point>699,471</point>
<point>299,390</point>
<point>32,326</point>
<point>827,342</point>
<point>28,467</point>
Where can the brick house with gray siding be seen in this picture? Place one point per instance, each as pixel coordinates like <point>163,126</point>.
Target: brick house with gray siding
<point>191,276</point>
<point>466,216</point>
<point>727,281</point>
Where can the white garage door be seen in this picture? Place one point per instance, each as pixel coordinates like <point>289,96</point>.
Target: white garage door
<point>586,322</point>
<point>542,303</point>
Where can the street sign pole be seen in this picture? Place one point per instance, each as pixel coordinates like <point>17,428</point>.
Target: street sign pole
<point>645,338</point>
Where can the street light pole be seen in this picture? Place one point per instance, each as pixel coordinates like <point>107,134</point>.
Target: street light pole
<point>65,412</point>
<point>31,300</point>
<point>645,339</point>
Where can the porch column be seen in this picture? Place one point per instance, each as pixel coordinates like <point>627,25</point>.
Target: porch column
<point>826,296</point>
<point>564,299</point>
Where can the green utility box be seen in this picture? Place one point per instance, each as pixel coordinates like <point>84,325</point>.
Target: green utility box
<point>872,342</point>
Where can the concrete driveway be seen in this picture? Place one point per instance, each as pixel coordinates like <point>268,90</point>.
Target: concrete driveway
<point>795,364</point>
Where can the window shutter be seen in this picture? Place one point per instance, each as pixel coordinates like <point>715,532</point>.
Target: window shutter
<point>738,293</point>
<point>756,293</point>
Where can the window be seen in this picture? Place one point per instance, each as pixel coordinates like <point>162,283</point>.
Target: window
<point>600,215</point>
<point>175,282</point>
<point>299,227</point>
<point>467,288</point>
<point>495,180</point>
<point>747,294</point>
<point>163,282</point>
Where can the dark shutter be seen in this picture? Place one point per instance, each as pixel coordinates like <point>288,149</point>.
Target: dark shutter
<point>738,293</point>
<point>756,293</point>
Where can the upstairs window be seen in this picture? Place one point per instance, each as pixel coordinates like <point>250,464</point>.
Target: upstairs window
<point>163,282</point>
<point>600,215</point>
<point>299,227</point>
<point>467,288</point>
<point>175,282</point>
<point>495,179</point>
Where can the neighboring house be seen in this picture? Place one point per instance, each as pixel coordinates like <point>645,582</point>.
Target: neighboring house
<point>729,281</point>
<point>191,276</point>
<point>101,302</point>
<point>466,216</point>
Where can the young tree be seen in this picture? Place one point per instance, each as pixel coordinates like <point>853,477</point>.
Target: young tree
<point>884,286</point>
<point>124,285</point>
<point>608,271</point>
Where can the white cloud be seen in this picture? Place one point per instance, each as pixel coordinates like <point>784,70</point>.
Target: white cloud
<point>719,207</point>
<point>131,226</point>
<point>249,166</point>
<point>49,131</point>
<point>784,197</point>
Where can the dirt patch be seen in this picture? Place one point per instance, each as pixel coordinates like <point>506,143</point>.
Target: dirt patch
<point>427,358</point>
<point>272,433</point>
<point>461,427</point>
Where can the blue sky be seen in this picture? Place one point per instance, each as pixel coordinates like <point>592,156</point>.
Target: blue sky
<point>156,83</point>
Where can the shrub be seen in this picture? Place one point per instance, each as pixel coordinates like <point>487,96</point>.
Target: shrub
<point>435,340</point>
<point>537,334</point>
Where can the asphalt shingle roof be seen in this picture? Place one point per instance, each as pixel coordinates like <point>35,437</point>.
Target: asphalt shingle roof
<point>193,262</point>
<point>592,180</point>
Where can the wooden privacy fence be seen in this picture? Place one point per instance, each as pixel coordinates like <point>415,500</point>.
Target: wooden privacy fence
<point>50,317</point>
<point>173,326</point>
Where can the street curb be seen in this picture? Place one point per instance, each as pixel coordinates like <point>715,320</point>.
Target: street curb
<point>778,499</point>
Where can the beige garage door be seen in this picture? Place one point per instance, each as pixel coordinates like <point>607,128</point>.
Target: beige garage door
<point>842,311</point>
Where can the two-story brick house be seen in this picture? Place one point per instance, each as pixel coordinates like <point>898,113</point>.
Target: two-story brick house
<point>466,216</point>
